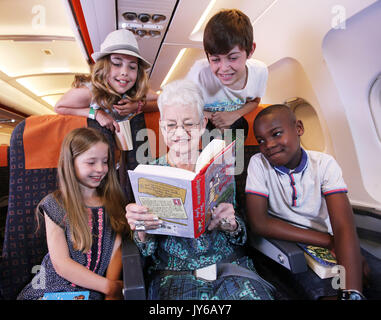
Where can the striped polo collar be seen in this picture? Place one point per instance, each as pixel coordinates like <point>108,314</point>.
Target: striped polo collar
<point>302,165</point>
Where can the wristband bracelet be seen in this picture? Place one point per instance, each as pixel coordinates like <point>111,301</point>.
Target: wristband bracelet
<point>91,113</point>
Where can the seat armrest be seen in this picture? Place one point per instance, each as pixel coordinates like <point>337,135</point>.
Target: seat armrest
<point>286,253</point>
<point>133,273</point>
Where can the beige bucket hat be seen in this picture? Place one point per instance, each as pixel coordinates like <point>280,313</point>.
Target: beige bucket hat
<point>120,41</point>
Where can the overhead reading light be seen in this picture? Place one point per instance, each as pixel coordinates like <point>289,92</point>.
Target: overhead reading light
<point>154,33</point>
<point>141,33</point>
<point>144,17</point>
<point>144,25</point>
<point>158,17</point>
<point>130,16</point>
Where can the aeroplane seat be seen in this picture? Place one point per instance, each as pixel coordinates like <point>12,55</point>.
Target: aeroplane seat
<point>4,189</point>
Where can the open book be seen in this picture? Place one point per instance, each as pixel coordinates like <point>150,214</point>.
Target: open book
<point>183,199</point>
<point>320,260</point>
<point>123,138</point>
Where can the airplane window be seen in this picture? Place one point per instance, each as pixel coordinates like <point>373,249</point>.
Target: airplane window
<point>313,137</point>
<point>375,104</point>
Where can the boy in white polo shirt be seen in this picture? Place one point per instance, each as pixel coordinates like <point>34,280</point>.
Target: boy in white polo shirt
<point>298,195</point>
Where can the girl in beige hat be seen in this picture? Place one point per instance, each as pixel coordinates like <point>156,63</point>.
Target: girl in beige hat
<point>118,87</point>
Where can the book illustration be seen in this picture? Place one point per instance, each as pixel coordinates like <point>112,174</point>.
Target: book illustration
<point>320,260</point>
<point>76,295</point>
<point>321,255</point>
<point>165,208</point>
<point>159,189</point>
<point>218,193</point>
<point>123,138</point>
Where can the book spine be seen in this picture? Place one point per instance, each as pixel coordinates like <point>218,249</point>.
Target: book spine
<point>198,205</point>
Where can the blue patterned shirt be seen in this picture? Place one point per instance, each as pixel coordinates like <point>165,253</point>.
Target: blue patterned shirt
<point>178,253</point>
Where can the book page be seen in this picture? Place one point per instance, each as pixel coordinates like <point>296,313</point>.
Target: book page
<point>170,208</point>
<point>164,171</point>
<point>211,150</point>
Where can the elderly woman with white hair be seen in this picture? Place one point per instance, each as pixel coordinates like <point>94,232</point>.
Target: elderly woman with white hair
<point>179,264</point>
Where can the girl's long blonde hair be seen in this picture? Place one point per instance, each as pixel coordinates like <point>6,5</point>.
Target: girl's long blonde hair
<point>69,194</point>
<point>104,95</point>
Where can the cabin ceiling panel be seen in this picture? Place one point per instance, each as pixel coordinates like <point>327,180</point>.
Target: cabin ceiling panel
<point>26,58</point>
<point>20,100</point>
<point>100,19</point>
<point>43,17</point>
<point>169,53</point>
<point>47,84</point>
<point>39,54</point>
<point>52,99</point>
<point>253,9</point>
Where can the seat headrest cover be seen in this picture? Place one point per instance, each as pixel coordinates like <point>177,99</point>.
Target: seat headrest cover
<point>43,136</point>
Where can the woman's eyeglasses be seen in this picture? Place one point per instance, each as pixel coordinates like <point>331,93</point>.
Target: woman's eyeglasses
<point>171,127</point>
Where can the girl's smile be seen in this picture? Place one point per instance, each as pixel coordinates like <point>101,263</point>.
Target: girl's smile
<point>230,68</point>
<point>123,72</point>
<point>91,166</point>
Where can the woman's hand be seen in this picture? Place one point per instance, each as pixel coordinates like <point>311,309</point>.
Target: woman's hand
<point>105,120</point>
<point>125,107</point>
<point>141,220</point>
<point>223,217</point>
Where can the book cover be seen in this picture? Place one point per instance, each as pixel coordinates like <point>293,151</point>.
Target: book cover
<point>76,295</point>
<point>123,138</point>
<point>320,260</point>
<point>183,199</point>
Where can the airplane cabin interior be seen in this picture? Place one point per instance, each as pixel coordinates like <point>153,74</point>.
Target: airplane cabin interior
<point>323,60</point>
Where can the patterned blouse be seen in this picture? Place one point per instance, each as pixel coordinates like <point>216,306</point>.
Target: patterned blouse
<point>178,253</point>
